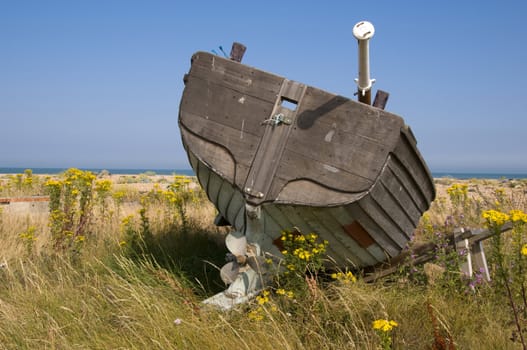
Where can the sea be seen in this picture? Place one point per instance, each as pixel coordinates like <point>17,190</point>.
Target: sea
<point>190,172</point>
<point>464,176</point>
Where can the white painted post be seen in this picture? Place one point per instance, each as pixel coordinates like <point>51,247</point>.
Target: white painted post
<point>363,32</point>
<point>476,262</point>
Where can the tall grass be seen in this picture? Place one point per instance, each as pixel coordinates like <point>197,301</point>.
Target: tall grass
<point>149,256</point>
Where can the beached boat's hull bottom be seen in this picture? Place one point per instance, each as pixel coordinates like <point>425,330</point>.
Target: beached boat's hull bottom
<point>274,154</point>
<point>355,240</point>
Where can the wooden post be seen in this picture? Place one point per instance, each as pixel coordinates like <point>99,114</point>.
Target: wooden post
<point>237,51</point>
<point>365,97</point>
<point>463,246</point>
<point>381,98</point>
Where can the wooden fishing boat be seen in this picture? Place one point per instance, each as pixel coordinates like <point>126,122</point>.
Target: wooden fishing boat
<point>274,154</point>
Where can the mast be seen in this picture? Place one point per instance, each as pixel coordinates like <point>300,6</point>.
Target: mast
<point>363,32</point>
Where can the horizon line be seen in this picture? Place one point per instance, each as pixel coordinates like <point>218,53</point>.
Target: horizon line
<point>462,171</point>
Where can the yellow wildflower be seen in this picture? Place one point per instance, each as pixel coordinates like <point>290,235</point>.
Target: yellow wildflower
<point>384,325</point>
<point>495,218</point>
<point>300,238</point>
<point>127,220</point>
<point>350,277</point>
<point>256,315</point>
<point>103,185</point>
<point>457,190</point>
<point>118,195</point>
<point>264,298</point>
<point>52,183</point>
<point>518,216</point>
<point>287,293</point>
<point>524,250</point>
<point>344,277</point>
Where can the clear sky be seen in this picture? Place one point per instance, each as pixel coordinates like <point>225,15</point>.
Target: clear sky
<point>97,84</point>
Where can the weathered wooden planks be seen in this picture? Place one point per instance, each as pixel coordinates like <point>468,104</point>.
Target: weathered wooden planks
<point>235,76</point>
<point>309,159</point>
<point>352,140</point>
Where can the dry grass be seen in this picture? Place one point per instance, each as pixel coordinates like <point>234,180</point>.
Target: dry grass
<point>104,298</point>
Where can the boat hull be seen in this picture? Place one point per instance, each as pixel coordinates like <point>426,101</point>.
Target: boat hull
<point>306,159</point>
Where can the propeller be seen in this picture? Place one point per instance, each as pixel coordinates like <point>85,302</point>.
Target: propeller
<point>242,256</point>
<point>237,245</point>
<point>229,272</point>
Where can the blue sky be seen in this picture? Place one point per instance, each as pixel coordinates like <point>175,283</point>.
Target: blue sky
<point>97,83</point>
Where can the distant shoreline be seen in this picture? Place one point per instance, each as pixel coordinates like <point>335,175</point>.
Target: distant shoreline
<point>467,176</point>
<point>54,171</point>
<point>190,172</point>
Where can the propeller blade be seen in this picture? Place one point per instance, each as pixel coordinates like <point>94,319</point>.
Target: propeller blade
<point>236,243</point>
<point>229,272</point>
